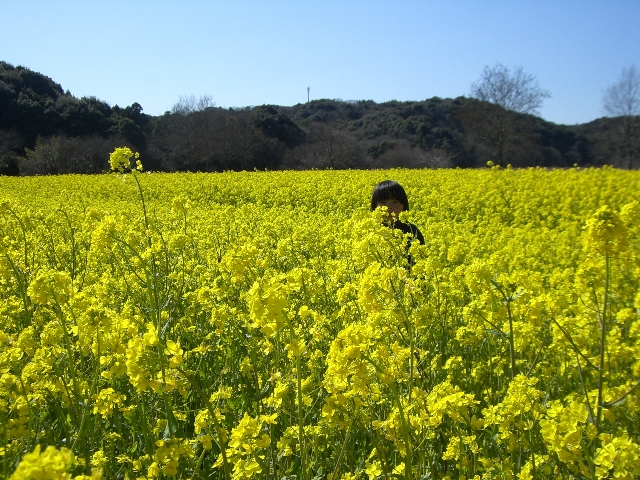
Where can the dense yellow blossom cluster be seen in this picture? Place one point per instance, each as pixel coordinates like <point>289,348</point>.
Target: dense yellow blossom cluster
<point>267,325</point>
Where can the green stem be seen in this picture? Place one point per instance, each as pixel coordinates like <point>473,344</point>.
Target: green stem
<point>408,466</point>
<point>73,245</point>
<point>512,348</point>
<point>591,418</point>
<point>507,301</point>
<point>603,338</point>
<point>380,453</point>
<point>303,452</point>
<point>214,419</point>
<point>86,403</point>
<point>144,205</point>
<point>3,418</point>
<point>148,440</point>
<point>72,368</point>
<point>196,469</point>
<point>30,413</point>
<point>22,287</point>
<point>23,228</point>
<point>573,345</point>
<point>533,457</point>
<point>613,403</point>
<point>344,444</point>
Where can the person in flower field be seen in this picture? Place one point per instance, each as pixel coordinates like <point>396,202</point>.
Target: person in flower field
<point>390,194</point>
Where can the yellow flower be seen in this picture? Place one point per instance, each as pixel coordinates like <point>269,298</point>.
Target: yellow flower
<point>618,457</point>
<point>120,159</point>
<point>99,459</point>
<point>606,233</point>
<point>52,464</point>
<point>297,347</point>
<point>151,335</point>
<point>374,470</point>
<point>173,349</point>
<point>153,471</point>
<point>181,204</point>
<point>106,400</point>
<point>51,286</point>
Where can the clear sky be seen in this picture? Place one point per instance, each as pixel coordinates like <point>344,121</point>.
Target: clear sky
<point>243,52</point>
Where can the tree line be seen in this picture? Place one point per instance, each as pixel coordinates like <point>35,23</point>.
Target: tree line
<point>45,130</point>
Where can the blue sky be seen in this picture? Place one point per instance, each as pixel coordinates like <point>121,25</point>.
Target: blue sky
<point>243,52</point>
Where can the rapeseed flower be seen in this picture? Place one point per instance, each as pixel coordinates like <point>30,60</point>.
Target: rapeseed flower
<point>148,306</point>
<point>50,464</point>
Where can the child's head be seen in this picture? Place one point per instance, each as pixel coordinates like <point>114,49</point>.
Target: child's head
<point>389,190</point>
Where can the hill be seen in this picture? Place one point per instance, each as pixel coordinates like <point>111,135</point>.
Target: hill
<point>46,130</point>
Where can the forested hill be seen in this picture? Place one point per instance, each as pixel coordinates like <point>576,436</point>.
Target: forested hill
<point>45,130</point>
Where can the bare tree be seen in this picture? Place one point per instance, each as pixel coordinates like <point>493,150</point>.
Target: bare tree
<point>622,99</point>
<point>325,147</point>
<point>212,140</point>
<point>515,91</point>
<point>60,154</point>
<point>189,103</point>
<point>510,92</point>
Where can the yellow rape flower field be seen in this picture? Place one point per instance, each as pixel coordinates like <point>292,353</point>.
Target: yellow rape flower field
<point>267,325</point>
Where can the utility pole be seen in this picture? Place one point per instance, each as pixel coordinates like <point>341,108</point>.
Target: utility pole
<point>308,89</point>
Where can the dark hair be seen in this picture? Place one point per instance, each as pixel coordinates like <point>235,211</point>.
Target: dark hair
<point>389,190</point>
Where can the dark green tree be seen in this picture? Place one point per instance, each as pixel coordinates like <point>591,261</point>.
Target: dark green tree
<point>275,124</point>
